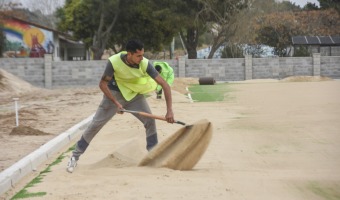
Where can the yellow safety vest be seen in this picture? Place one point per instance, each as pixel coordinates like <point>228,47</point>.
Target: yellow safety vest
<point>132,81</point>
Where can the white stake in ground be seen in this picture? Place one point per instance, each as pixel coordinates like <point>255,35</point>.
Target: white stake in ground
<point>16,111</point>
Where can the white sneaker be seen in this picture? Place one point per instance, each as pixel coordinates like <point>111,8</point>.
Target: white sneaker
<point>72,163</point>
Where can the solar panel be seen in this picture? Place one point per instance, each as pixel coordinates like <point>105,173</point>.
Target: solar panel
<point>326,40</point>
<point>299,40</point>
<point>336,40</point>
<point>313,40</point>
<point>316,40</point>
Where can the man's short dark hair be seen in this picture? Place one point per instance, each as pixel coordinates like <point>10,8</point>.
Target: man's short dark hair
<point>158,68</point>
<point>134,45</point>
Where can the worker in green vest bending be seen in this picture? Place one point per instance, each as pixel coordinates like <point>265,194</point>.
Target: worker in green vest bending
<point>166,72</point>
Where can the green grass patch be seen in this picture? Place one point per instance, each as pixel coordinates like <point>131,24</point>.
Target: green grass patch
<point>22,194</point>
<point>330,193</point>
<point>209,93</point>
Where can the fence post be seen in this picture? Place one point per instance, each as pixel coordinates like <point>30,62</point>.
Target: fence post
<point>276,68</point>
<point>248,67</point>
<point>316,64</point>
<point>16,111</point>
<point>181,66</point>
<point>48,70</point>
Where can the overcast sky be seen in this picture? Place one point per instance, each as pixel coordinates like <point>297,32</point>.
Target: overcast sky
<point>302,3</point>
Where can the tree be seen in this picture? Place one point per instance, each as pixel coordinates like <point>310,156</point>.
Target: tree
<point>192,24</point>
<point>319,22</point>
<point>199,16</point>
<point>310,6</point>
<point>103,33</point>
<point>222,16</point>
<point>245,21</point>
<point>103,24</point>
<point>301,51</point>
<point>277,29</point>
<point>151,21</point>
<point>232,51</point>
<point>90,21</point>
<point>278,36</point>
<point>325,4</point>
<point>286,6</point>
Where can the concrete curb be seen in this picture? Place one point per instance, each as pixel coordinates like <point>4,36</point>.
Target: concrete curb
<point>12,175</point>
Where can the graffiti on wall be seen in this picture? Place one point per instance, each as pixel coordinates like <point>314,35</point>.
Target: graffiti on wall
<point>24,40</point>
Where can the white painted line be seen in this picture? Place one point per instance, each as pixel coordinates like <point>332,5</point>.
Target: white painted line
<point>189,95</point>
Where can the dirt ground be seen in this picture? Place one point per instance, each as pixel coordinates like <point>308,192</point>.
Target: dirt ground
<point>271,140</point>
<point>44,113</point>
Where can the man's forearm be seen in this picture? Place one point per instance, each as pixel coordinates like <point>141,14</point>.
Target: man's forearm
<point>168,97</point>
<point>105,89</point>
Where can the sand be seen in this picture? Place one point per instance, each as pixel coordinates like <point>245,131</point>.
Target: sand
<point>182,149</point>
<point>271,140</point>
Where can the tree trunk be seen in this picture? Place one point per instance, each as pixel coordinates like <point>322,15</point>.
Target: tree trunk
<point>97,53</point>
<point>192,53</point>
<point>213,49</point>
<point>191,42</point>
<point>217,42</point>
<point>103,34</point>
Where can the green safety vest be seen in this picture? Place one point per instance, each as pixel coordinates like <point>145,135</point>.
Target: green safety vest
<point>132,81</point>
<point>167,73</point>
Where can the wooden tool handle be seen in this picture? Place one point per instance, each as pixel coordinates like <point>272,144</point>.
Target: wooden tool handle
<point>151,116</point>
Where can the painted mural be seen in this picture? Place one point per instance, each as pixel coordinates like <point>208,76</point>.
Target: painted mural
<point>24,40</point>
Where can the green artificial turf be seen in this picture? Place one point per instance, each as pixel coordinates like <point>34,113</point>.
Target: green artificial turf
<point>208,93</point>
<point>24,193</point>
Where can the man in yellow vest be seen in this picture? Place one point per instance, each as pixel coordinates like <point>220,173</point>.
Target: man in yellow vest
<point>128,75</point>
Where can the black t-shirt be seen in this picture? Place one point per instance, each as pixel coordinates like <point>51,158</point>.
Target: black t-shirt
<point>109,71</point>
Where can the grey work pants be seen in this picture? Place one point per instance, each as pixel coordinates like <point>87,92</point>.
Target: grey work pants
<point>106,110</point>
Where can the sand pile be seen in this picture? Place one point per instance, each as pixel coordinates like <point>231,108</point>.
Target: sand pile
<point>26,130</point>
<point>305,79</point>
<point>183,149</point>
<point>11,85</point>
<point>126,155</point>
<point>180,151</point>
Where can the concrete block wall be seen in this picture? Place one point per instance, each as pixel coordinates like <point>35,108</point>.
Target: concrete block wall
<point>181,67</point>
<point>263,68</point>
<point>330,66</point>
<point>46,73</point>
<point>295,66</point>
<point>220,69</point>
<point>77,73</point>
<point>28,69</point>
<point>335,51</point>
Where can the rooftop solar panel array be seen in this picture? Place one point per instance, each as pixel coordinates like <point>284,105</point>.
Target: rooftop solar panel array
<point>316,40</point>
